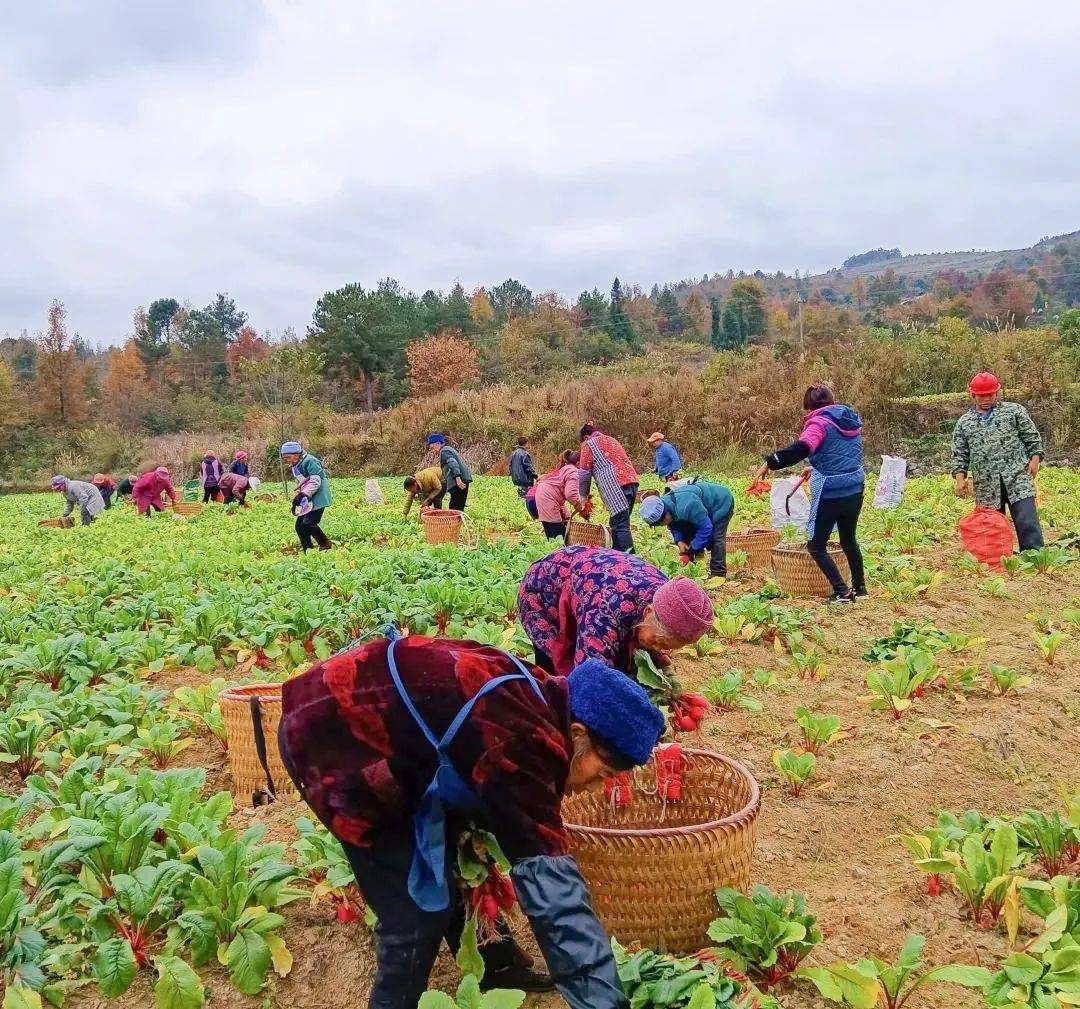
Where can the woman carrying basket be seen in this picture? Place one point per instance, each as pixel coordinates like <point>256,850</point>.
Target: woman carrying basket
<point>831,441</point>
<point>398,743</point>
<point>586,602</point>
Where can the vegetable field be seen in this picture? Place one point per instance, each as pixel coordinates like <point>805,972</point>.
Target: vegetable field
<point>919,755</point>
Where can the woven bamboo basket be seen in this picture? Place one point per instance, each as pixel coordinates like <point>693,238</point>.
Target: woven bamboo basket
<point>588,534</point>
<point>757,544</point>
<point>442,525</point>
<point>797,573</point>
<point>249,776</point>
<point>653,869</point>
<point>61,523</point>
<point>187,507</point>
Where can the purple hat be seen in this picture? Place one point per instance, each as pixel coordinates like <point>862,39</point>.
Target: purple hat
<point>59,482</point>
<point>684,608</point>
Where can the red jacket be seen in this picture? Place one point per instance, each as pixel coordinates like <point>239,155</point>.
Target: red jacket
<point>364,763</point>
<point>150,486</point>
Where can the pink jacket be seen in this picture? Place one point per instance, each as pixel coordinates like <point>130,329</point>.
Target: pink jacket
<point>150,487</point>
<point>554,490</point>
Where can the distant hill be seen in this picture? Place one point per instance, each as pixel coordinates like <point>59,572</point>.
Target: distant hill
<point>918,266</point>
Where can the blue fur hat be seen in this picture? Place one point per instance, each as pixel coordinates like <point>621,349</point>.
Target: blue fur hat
<point>291,448</point>
<point>616,708</point>
<point>652,510</point>
<point>435,438</point>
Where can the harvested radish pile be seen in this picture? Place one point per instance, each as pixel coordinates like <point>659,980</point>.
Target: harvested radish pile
<point>919,840</point>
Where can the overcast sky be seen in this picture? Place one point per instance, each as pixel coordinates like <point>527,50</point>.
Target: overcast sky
<point>276,149</point>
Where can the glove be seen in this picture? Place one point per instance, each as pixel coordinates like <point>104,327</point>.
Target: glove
<point>555,899</point>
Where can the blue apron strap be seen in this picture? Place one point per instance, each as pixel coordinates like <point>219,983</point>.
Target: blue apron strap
<point>391,663</point>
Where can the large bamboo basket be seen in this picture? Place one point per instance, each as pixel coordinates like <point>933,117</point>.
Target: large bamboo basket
<point>187,507</point>
<point>757,544</point>
<point>61,523</point>
<point>653,869</point>
<point>442,525</point>
<point>797,572</point>
<point>240,713</point>
<point>588,534</point>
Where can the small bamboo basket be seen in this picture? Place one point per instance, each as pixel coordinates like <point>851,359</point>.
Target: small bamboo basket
<point>442,525</point>
<point>61,523</point>
<point>244,708</point>
<point>797,572</point>
<point>187,507</point>
<point>587,534</point>
<point>757,544</point>
<point>653,867</point>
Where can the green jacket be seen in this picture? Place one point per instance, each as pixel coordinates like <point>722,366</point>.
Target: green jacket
<point>308,467</point>
<point>698,506</point>
<point>453,467</point>
<point>996,448</point>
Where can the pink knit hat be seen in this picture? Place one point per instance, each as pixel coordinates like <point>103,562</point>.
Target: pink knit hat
<point>684,608</point>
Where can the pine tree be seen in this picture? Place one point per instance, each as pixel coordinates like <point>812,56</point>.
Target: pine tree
<point>716,336</point>
<point>619,326</point>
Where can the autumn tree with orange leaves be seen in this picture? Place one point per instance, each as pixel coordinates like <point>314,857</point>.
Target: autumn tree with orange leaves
<point>59,389</point>
<point>441,363</point>
<point>127,386</point>
<point>248,346</point>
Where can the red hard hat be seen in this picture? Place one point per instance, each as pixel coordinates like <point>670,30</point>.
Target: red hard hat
<point>983,384</point>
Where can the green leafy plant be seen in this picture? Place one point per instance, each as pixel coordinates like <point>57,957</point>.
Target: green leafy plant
<point>873,981</point>
<point>1049,644</point>
<point>797,768</point>
<point>726,692</point>
<point>1005,680</point>
<point>200,706</point>
<point>765,935</point>
<point>994,587</point>
<point>896,681</point>
<point>818,731</point>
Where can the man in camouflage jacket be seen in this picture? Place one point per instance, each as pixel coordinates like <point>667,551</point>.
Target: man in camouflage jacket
<point>999,445</point>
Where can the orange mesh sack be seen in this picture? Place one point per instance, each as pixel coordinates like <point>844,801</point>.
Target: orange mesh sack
<point>988,536</point>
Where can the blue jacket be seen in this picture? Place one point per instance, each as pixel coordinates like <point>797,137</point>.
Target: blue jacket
<point>696,510</point>
<point>667,460</point>
<point>834,436</point>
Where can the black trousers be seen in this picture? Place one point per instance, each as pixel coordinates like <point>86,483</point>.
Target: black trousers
<point>621,537</point>
<point>554,530</point>
<point>1025,517</point>
<point>209,493</point>
<point>106,496</point>
<point>307,528</point>
<point>718,548</point>
<point>408,939</point>
<point>842,514</point>
<point>458,497</point>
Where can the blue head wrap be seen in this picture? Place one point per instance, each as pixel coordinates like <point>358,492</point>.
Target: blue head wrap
<point>291,448</point>
<point>652,510</point>
<point>436,438</point>
<point>616,708</point>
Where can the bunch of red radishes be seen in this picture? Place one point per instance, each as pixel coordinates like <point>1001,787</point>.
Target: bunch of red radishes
<point>670,764</point>
<point>687,711</point>
<point>490,898</point>
<point>617,790</point>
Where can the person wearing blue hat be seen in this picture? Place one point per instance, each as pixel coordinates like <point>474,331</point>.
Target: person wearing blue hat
<point>401,744</point>
<point>312,496</point>
<point>698,515</point>
<point>457,477</point>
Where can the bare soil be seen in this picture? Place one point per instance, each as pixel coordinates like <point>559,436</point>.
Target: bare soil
<point>836,842</point>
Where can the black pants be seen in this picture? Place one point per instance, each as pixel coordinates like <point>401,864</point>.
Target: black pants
<point>408,938</point>
<point>86,517</point>
<point>458,497</point>
<point>307,528</point>
<point>841,513</point>
<point>621,537</point>
<point>1025,517</point>
<point>718,548</point>
<point>554,530</point>
<point>106,496</point>
<point>543,660</point>
<point>209,493</point>
<point>229,496</point>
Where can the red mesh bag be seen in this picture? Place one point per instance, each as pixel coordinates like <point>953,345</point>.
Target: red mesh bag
<point>988,536</point>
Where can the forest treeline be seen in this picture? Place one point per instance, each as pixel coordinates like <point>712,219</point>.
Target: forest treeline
<point>372,358</point>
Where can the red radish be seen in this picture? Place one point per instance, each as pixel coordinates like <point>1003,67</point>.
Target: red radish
<point>669,768</point>
<point>345,913</point>
<point>934,886</point>
<point>686,723</point>
<point>697,712</point>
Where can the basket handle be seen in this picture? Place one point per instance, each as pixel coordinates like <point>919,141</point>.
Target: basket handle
<point>261,796</point>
